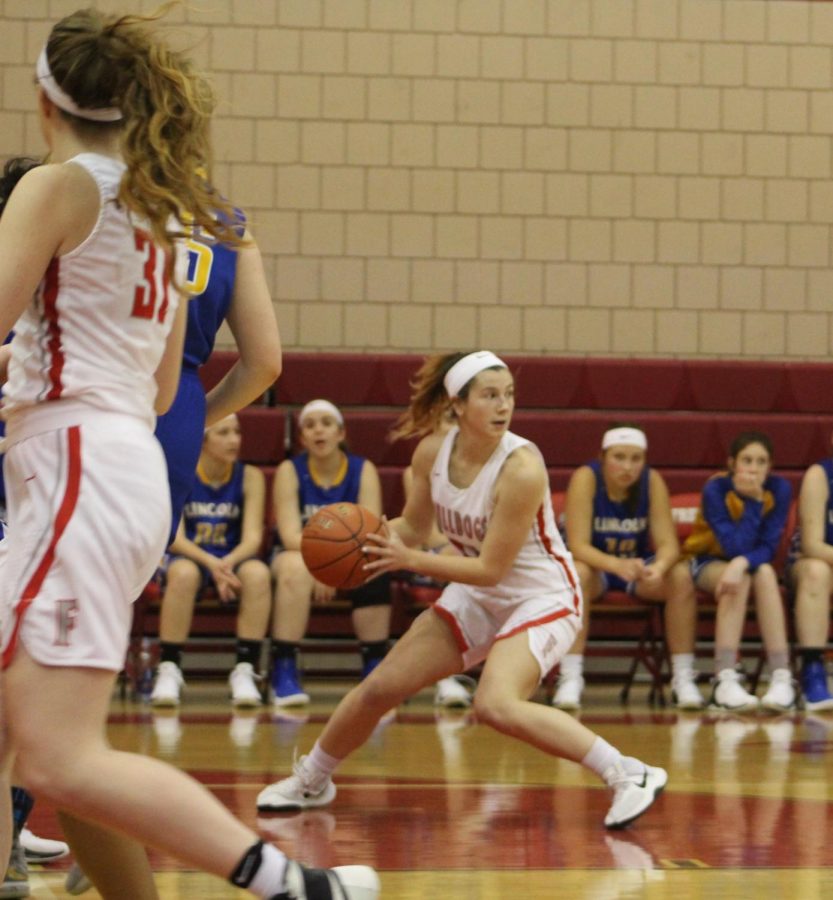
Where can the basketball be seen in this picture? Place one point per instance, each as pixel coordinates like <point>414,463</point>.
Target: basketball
<point>332,542</point>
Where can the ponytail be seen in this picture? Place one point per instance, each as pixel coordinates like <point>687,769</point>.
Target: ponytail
<point>429,398</point>
<point>103,60</point>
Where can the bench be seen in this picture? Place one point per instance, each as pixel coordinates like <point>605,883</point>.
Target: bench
<point>690,410</point>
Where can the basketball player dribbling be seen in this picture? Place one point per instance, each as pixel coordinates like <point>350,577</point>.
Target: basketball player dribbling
<point>513,599</point>
<point>85,278</point>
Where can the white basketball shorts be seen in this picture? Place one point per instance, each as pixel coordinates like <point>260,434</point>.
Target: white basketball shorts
<point>89,514</point>
<point>550,624</point>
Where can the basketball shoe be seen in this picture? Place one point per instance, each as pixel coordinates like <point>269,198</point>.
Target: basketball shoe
<point>41,850</point>
<point>77,882</point>
<point>781,694</point>
<point>340,883</point>
<point>243,686</point>
<point>450,692</point>
<point>633,794</point>
<point>568,692</point>
<point>16,882</point>
<point>684,691</point>
<point>169,684</point>
<point>286,687</point>
<point>814,686</point>
<point>729,693</point>
<point>299,791</point>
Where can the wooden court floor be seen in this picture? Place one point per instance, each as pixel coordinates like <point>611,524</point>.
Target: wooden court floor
<point>446,808</point>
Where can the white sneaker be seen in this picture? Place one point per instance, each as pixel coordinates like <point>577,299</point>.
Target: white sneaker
<point>296,792</point>
<point>340,883</point>
<point>76,881</point>
<point>450,692</point>
<point>243,686</point>
<point>41,850</point>
<point>781,695</point>
<point>729,693</point>
<point>169,684</point>
<point>568,692</point>
<point>632,794</point>
<point>684,691</point>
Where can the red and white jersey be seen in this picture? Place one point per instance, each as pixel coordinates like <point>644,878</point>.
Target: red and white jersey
<point>95,330</point>
<point>543,565</point>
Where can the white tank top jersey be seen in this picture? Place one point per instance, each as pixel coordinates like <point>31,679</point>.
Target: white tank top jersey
<point>543,565</point>
<point>95,330</point>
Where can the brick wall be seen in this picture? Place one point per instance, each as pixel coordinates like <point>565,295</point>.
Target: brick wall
<point>635,177</point>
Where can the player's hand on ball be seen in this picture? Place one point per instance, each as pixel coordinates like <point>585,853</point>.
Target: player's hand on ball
<point>385,551</point>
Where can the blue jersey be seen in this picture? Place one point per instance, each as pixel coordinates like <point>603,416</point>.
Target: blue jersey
<point>312,496</point>
<point>729,524</point>
<point>212,268</point>
<point>213,516</point>
<point>619,529</point>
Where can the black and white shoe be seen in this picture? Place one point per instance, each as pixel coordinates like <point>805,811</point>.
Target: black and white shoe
<point>340,883</point>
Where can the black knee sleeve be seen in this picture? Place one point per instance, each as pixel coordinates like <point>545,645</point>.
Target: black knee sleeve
<point>374,593</point>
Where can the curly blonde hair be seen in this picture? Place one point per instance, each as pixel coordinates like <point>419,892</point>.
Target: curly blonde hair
<point>104,60</point>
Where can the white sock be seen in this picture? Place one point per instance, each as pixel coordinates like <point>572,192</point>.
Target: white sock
<point>572,665</point>
<point>601,756</point>
<point>320,765</point>
<point>682,662</point>
<point>269,878</point>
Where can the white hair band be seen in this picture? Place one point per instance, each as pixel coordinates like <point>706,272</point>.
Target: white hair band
<point>633,437</point>
<point>462,372</point>
<point>321,406</point>
<point>62,99</point>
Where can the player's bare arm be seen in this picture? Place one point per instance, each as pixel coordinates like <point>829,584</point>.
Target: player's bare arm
<point>415,524</point>
<point>663,532</point>
<point>519,492</point>
<point>33,229</point>
<point>251,317</point>
<point>170,366</point>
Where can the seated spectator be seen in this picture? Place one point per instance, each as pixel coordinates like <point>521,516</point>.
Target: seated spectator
<point>324,473</point>
<point>733,543</point>
<point>218,541</point>
<point>622,537</point>
<point>809,575</point>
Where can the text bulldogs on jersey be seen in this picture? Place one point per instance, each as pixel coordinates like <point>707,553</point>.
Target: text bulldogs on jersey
<point>452,524</point>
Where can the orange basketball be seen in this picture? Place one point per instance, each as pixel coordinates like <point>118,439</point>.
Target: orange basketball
<point>332,542</point>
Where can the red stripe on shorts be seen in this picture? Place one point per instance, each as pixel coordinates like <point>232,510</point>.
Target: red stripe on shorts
<point>67,507</point>
<point>54,343</point>
<point>542,534</point>
<point>559,614</point>
<point>454,625</point>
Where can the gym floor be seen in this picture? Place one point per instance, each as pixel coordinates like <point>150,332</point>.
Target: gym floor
<point>446,808</point>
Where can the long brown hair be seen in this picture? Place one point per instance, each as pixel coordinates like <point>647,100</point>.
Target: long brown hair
<point>429,398</point>
<point>104,60</point>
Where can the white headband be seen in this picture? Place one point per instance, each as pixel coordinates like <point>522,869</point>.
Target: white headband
<point>633,437</point>
<point>322,406</point>
<point>62,99</point>
<point>462,372</point>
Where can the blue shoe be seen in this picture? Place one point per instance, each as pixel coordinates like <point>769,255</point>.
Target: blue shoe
<point>370,665</point>
<point>817,694</point>
<point>286,687</point>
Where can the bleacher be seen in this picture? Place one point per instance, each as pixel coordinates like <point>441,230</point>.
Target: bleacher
<point>689,409</point>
